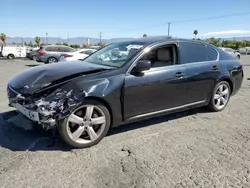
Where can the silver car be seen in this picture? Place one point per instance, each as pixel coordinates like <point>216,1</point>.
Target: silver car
<point>51,53</point>
<point>232,52</point>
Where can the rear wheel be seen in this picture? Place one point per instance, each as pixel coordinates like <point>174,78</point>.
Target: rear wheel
<point>52,60</point>
<point>86,125</point>
<point>10,56</point>
<point>220,97</point>
<point>238,57</point>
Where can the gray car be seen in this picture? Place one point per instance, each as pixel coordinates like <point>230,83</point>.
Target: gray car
<point>31,54</point>
<point>51,53</point>
<point>232,52</point>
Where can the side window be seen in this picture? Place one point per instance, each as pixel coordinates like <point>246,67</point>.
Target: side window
<point>71,50</point>
<point>192,52</point>
<point>63,49</point>
<point>161,56</point>
<point>50,49</point>
<point>88,52</point>
<point>212,54</point>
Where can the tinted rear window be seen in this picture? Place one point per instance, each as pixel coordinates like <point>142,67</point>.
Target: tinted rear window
<point>51,49</point>
<point>212,53</point>
<point>192,52</point>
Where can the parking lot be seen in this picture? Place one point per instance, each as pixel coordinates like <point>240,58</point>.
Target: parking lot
<point>189,149</point>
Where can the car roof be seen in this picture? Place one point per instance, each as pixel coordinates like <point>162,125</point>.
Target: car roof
<point>55,46</point>
<point>159,39</point>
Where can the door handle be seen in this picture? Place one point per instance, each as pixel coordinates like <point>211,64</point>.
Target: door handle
<point>179,74</point>
<point>215,67</point>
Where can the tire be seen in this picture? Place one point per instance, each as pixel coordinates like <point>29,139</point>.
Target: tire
<point>11,56</point>
<point>65,126</point>
<point>238,57</point>
<point>34,57</point>
<point>212,104</point>
<point>51,60</point>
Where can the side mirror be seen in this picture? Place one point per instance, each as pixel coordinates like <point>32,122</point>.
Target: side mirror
<point>142,65</point>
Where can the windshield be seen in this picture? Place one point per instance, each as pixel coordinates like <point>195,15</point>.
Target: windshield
<point>115,54</point>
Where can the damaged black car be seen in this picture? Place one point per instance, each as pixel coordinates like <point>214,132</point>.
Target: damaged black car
<point>124,82</point>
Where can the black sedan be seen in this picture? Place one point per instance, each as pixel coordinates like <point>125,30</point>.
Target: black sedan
<point>125,82</point>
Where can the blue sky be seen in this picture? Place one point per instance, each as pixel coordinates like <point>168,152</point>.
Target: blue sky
<point>115,18</point>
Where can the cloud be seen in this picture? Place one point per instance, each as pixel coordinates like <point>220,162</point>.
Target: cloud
<point>229,32</point>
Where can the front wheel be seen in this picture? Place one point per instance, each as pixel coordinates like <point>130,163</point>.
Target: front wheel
<point>238,57</point>
<point>86,126</point>
<point>10,56</point>
<point>220,96</point>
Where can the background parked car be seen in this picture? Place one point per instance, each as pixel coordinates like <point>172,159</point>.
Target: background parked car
<point>80,54</point>
<point>12,52</point>
<point>52,53</point>
<point>232,52</point>
<point>244,51</point>
<point>31,53</point>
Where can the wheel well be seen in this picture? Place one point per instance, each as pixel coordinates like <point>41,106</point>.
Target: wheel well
<point>104,103</point>
<point>229,82</point>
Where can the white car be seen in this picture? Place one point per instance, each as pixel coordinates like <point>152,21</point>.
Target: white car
<point>80,54</point>
<point>232,52</point>
<point>12,52</point>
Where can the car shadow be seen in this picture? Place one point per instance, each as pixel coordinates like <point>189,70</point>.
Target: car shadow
<point>31,65</point>
<point>156,120</point>
<point>18,139</point>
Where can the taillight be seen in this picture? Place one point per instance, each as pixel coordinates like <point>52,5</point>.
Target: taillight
<point>41,53</point>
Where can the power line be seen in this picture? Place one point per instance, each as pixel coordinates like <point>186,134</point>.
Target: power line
<point>186,21</point>
<point>211,18</point>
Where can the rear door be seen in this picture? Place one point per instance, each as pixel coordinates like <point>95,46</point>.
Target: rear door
<point>202,69</point>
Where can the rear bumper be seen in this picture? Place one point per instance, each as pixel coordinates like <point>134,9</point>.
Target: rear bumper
<point>238,80</point>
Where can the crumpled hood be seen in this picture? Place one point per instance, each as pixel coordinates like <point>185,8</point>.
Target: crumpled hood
<point>42,76</point>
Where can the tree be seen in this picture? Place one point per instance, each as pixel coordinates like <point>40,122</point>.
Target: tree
<point>101,44</point>
<point>3,37</point>
<point>145,35</point>
<point>65,44</point>
<point>31,44</point>
<point>38,40</point>
<point>75,46</point>
<point>214,41</point>
<point>85,46</point>
<point>195,33</point>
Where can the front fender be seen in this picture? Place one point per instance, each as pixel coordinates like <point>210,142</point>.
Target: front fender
<point>106,90</point>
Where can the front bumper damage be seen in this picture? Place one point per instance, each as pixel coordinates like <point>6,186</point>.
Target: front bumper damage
<point>50,109</point>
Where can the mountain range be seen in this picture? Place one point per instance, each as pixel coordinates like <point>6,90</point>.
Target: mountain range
<point>54,40</point>
<point>83,40</point>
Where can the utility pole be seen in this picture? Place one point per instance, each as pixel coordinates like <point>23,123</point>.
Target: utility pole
<point>169,28</point>
<point>68,38</point>
<point>100,37</point>
<point>46,38</point>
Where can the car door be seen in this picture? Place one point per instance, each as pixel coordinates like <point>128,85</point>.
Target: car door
<point>202,70</point>
<point>157,89</point>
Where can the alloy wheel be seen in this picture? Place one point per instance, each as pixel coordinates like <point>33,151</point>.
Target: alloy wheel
<point>86,124</point>
<point>52,60</point>
<point>221,96</point>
